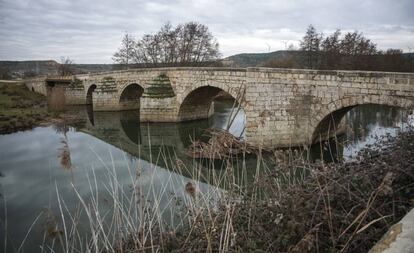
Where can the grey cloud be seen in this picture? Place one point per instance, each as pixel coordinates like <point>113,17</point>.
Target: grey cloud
<point>89,32</point>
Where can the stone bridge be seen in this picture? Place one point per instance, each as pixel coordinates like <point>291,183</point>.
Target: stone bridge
<point>283,107</point>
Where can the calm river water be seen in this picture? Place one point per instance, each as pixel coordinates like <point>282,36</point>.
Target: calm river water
<point>38,165</point>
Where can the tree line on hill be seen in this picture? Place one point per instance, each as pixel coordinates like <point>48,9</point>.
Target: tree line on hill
<point>351,51</point>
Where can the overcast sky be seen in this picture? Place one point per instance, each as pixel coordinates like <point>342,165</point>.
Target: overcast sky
<point>90,31</point>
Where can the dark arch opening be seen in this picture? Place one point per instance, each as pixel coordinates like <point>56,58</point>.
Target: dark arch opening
<point>33,89</point>
<point>89,94</point>
<point>130,97</point>
<point>49,88</point>
<point>346,131</point>
<point>197,104</point>
<point>329,125</point>
<point>50,84</point>
<point>206,101</point>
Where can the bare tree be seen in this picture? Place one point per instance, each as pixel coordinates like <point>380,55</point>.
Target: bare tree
<point>184,44</point>
<point>126,51</point>
<point>331,48</point>
<point>350,51</point>
<point>197,44</point>
<point>66,66</point>
<point>354,43</point>
<point>357,51</point>
<point>310,44</point>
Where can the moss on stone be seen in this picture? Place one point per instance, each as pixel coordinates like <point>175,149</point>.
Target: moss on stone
<point>159,87</point>
<point>76,84</point>
<point>108,84</point>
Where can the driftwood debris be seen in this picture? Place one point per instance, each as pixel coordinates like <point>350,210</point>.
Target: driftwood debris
<point>221,144</point>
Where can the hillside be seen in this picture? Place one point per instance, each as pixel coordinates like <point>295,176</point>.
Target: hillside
<point>19,69</point>
<point>22,69</point>
<point>409,55</point>
<point>253,59</point>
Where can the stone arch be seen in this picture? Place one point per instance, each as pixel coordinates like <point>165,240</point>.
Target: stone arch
<point>196,104</point>
<point>326,121</point>
<point>130,97</point>
<point>89,94</point>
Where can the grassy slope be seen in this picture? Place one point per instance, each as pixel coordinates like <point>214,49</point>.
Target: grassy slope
<point>257,59</point>
<point>20,108</point>
<point>251,59</point>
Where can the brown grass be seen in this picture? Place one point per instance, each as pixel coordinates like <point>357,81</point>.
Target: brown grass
<point>56,99</point>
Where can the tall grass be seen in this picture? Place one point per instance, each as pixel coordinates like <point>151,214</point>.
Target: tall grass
<point>56,98</point>
<point>136,220</point>
<point>289,204</point>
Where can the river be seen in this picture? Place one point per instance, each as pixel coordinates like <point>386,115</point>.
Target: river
<point>48,169</point>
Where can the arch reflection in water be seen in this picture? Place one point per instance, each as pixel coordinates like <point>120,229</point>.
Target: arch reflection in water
<point>127,125</point>
<point>130,125</point>
<point>356,128</point>
<point>90,115</point>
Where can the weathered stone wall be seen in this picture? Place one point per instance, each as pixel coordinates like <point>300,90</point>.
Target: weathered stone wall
<point>37,85</point>
<point>158,110</point>
<point>283,107</point>
<point>287,105</point>
<point>162,106</point>
<point>75,96</point>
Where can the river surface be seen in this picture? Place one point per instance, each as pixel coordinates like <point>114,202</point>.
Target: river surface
<point>81,160</point>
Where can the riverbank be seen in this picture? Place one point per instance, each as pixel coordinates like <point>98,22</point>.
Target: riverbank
<point>300,206</point>
<point>21,109</point>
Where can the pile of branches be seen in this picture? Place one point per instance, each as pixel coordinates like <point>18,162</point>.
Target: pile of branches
<point>221,145</point>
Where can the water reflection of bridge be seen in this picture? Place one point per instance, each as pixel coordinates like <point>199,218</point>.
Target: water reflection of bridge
<point>161,144</point>
<point>164,144</point>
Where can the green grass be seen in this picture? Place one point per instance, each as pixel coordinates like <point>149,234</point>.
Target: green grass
<point>20,108</point>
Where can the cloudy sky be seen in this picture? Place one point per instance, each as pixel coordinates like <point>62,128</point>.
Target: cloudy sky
<point>90,31</point>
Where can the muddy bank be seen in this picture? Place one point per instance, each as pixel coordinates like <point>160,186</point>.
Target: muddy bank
<point>302,207</point>
<point>21,109</point>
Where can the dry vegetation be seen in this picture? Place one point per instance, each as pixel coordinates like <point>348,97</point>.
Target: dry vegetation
<point>295,206</point>
<point>304,207</point>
